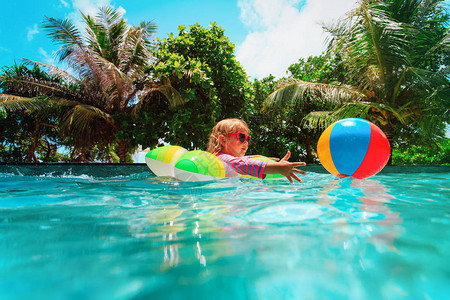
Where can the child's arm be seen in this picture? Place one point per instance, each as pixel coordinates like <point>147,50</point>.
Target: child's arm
<point>285,168</point>
<point>243,165</point>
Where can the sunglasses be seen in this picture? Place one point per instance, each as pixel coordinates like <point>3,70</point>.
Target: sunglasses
<point>242,137</point>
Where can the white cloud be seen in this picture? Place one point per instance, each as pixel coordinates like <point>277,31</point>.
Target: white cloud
<point>46,58</point>
<point>88,7</point>
<point>32,32</point>
<point>280,32</point>
<point>64,3</point>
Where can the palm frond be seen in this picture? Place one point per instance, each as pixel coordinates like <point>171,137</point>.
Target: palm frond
<point>72,51</point>
<point>53,70</point>
<point>134,53</point>
<point>318,120</point>
<point>82,61</point>
<point>117,84</point>
<point>111,31</point>
<point>366,110</point>
<point>150,27</point>
<point>293,91</point>
<point>172,95</point>
<point>82,119</point>
<point>15,103</point>
<point>92,37</point>
<point>65,33</point>
<point>370,42</point>
<point>108,16</point>
<point>429,85</point>
<point>27,86</point>
<point>443,44</point>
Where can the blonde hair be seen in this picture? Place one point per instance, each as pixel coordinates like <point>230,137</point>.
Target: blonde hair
<point>226,126</point>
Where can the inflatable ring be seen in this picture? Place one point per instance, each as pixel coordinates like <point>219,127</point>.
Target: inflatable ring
<point>196,165</point>
<point>162,160</point>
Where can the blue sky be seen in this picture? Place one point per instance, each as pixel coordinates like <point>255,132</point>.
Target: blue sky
<point>269,34</point>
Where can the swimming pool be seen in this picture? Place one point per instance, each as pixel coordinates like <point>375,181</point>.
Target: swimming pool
<point>76,235</point>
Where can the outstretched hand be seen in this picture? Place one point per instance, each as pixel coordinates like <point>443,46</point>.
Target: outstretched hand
<point>286,168</point>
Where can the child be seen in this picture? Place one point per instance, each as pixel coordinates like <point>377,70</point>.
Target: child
<point>229,141</point>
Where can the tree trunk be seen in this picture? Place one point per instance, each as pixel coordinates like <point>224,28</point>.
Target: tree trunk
<point>123,147</point>
<point>81,156</point>
<point>390,138</point>
<point>31,156</point>
<point>388,131</point>
<point>308,150</point>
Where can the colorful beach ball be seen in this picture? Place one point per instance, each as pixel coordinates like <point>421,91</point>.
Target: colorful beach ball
<point>353,147</point>
<point>198,165</point>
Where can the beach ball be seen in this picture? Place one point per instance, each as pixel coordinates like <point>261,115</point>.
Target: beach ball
<point>353,147</point>
<point>198,165</point>
<point>162,160</point>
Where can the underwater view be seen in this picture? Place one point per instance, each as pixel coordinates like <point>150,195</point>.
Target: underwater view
<point>80,235</point>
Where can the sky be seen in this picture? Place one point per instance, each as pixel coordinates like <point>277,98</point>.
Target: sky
<point>269,35</point>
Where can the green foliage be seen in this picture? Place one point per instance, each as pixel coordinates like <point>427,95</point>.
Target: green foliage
<point>266,129</point>
<point>209,50</point>
<point>28,134</point>
<point>274,131</point>
<point>14,137</point>
<point>396,70</point>
<point>109,63</point>
<point>322,68</point>
<point>397,55</point>
<point>17,138</point>
<point>388,62</point>
<point>201,65</point>
<point>422,155</point>
<point>429,24</point>
<point>286,121</point>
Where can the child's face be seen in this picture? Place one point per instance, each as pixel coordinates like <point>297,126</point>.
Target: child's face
<point>233,146</point>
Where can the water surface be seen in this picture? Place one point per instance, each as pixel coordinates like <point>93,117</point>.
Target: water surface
<point>141,237</point>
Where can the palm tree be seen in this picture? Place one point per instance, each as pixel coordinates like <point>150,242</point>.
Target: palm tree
<point>397,69</point>
<point>108,78</point>
<point>33,121</point>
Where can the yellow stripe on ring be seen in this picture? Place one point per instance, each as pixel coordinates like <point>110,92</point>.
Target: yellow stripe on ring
<point>220,167</point>
<point>214,164</point>
<point>177,155</point>
<point>170,153</point>
<point>161,153</point>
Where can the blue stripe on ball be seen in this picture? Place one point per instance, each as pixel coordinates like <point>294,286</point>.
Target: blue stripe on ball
<point>349,141</point>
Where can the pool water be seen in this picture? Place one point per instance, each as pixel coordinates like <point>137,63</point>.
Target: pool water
<point>141,237</point>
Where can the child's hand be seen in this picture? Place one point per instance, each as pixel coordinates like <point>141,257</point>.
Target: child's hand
<point>285,168</point>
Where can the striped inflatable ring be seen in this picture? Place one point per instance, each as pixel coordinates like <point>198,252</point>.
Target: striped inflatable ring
<point>196,165</point>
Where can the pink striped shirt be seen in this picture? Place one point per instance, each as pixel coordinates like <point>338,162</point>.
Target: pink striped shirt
<point>234,166</point>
